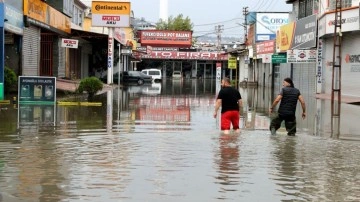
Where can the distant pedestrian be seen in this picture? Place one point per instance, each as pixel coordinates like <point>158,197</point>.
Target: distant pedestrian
<point>289,95</point>
<point>230,101</point>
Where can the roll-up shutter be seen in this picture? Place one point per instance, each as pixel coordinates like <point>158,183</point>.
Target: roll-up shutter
<point>31,51</point>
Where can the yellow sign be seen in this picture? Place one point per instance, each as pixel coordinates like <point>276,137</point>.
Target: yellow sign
<point>232,62</point>
<point>106,7</point>
<point>284,37</point>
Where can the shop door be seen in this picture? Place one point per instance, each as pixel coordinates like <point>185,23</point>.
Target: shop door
<point>46,54</point>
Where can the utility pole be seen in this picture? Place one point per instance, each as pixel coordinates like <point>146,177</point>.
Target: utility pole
<point>218,31</point>
<point>245,13</point>
<point>336,73</point>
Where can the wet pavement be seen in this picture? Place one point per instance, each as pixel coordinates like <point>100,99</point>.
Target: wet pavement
<point>161,143</point>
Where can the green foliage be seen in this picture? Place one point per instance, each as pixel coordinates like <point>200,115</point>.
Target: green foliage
<point>91,85</point>
<point>179,23</point>
<point>10,79</point>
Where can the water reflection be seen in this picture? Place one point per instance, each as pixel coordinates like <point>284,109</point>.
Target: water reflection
<point>146,146</point>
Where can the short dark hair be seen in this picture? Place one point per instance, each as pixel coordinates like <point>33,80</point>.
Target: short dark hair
<point>289,80</point>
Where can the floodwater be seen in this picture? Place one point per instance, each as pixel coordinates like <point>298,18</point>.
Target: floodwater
<point>161,143</point>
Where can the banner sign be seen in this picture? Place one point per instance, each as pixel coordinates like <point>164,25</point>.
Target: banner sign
<point>37,89</point>
<point>15,20</point>
<point>110,14</point>
<point>265,47</point>
<point>301,56</point>
<point>165,38</point>
<point>185,55</point>
<point>146,48</point>
<point>69,43</point>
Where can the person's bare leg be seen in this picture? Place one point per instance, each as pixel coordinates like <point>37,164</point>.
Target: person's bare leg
<point>226,132</point>
<point>237,130</point>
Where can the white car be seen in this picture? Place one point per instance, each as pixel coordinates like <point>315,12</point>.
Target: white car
<point>154,73</point>
<point>177,75</point>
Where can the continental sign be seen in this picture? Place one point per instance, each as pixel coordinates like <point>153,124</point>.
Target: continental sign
<point>40,14</point>
<point>185,55</point>
<point>297,35</point>
<point>165,38</point>
<point>110,14</point>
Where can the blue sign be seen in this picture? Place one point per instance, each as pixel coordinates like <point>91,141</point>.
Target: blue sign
<point>37,90</point>
<point>2,49</point>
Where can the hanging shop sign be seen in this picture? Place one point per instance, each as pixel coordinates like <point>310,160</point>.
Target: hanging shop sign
<point>165,38</point>
<point>232,62</point>
<point>69,43</point>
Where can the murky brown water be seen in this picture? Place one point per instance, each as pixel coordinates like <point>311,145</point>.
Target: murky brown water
<point>167,147</point>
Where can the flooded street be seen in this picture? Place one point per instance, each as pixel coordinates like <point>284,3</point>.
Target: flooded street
<point>161,143</point>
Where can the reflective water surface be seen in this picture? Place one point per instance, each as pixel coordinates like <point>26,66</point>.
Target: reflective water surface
<point>161,143</point>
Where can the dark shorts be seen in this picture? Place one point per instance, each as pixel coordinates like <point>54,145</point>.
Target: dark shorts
<point>228,118</point>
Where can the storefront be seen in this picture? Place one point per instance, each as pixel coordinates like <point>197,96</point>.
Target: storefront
<point>44,28</point>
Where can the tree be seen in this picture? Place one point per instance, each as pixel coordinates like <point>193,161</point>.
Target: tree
<point>179,23</point>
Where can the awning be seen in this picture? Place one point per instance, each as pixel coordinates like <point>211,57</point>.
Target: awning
<point>87,35</point>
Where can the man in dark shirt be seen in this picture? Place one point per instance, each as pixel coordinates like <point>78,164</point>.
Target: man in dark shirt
<point>289,95</point>
<point>230,101</point>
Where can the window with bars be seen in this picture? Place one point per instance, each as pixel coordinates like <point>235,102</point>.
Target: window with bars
<point>344,4</point>
<point>306,8</point>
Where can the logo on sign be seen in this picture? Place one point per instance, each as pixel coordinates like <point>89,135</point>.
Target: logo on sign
<point>111,20</point>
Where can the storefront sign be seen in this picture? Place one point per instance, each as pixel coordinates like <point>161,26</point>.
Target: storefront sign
<point>349,22</point>
<point>37,89</point>
<point>146,48</point>
<point>15,20</point>
<point>43,15</point>
<point>301,56</point>
<point>185,55</point>
<point>165,38</point>
<point>110,14</point>
<point>265,47</point>
<point>69,43</point>
<point>305,33</point>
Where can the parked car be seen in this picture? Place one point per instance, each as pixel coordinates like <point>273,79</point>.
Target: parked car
<point>177,75</point>
<point>130,77</point>
<point>154,73</point>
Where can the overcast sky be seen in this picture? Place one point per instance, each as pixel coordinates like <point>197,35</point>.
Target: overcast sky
<point>206,14</point>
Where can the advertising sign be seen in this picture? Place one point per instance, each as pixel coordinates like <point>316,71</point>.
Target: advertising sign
<point>319,69</point>
<point>268,23</point>
<point>166,38</point>
<point>305,33</point>
<point>185,55</point>
<point>284,37</point>
<point>232,62</point>
<point>265,47</point>
<point>301,56</point>
<point>37,90</point>
<point>69,43</point>
<point>110,14</point>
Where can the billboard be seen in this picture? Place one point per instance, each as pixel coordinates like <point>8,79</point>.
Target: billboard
<point>165,38</point>
<point>268,23</point>
<point>110,14</point>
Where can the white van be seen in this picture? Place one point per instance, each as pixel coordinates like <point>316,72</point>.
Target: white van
<point>154,73</point>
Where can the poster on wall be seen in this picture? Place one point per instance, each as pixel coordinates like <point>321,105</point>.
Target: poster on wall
<point>301,56</point>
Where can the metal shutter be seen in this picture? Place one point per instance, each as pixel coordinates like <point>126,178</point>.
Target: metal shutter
<point>31,51</point>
